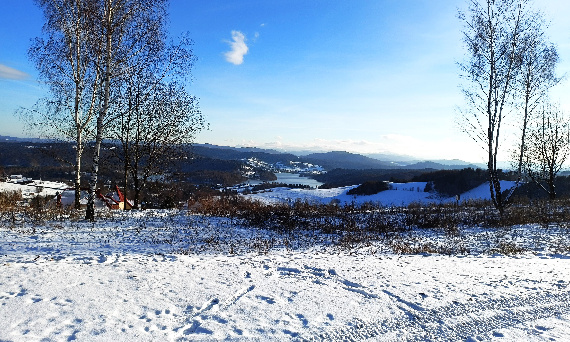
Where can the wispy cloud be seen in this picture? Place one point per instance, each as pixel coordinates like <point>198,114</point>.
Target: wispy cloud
<point>12,74</point>
<point>238,48</point>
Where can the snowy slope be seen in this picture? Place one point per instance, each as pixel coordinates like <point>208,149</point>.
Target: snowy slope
<point>401,194</point>
<point>283,296</point>
<point>38,187</point>
<point>483,192</point>
<point>48,189</point>
<point>138,277</point>
<point>168,276</point>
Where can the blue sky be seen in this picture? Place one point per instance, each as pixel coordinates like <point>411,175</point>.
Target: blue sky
<point>362,76</point>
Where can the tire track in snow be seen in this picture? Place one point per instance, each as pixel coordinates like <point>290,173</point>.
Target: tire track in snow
<point>457,321</point>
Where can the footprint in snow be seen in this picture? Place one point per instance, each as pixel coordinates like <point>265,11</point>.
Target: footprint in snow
<point>240,293</point>
<point>196,328</point>
<point>36,299</point>
<point>288,270</point>
<point>208,305</point>
<point>268,300</point>
<point>350,283</point>
<point>303,320</point>
<point>290,333</point>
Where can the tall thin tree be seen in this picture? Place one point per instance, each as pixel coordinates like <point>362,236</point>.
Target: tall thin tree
<point>492,36</point>
<point>129,30</point>
<point>67,63</point>
<point>548,148</point>
<point>538,59</point>
<point>155,132</point>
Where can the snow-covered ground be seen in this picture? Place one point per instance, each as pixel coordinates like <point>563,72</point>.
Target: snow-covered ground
<point>37,188</point>
<point>401,194</point>
<point>48,189</point>
<point>169,276</point>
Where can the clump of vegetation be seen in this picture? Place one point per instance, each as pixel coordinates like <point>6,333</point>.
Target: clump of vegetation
<point>9,199</point>
<point>211,221</point>
<point>369,188</point>
<point>508,248</point>
<point>412,247</point>
<point>267,186</point>
<point>453,182</point>
<point>346,177</point>
<point>361,225</point>
<point>330,218</point>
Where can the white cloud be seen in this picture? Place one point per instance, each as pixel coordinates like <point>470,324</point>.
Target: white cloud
<point>238,48</point>
<point>11,74</point>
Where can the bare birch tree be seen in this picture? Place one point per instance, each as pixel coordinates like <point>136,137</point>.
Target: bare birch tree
<point>67,63</point>
<point>492,36</point>
<point>538,60</point>
<point>129,30</point>
<point>92,47</point>
<point>154,130</point>
<point>548,148</point>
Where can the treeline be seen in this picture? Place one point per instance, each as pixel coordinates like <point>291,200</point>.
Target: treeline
<point>532,191</point>
<point>455,182</point>
<point>266,186</point>
<point>445,182</point>
<point>27,154</point>
<point>369,188</point>
<point>343,177</point>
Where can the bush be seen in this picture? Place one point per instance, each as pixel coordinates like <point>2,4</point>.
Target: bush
<point>370,188</point>
<point>267,186</point>
<point>9,199</point>
<point>453,182</point>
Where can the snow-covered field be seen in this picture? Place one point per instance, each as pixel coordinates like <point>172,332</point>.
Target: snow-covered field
<point>401,194</point>
<point>173,276</point>
<point>169,276</point>
<point>37,188</point>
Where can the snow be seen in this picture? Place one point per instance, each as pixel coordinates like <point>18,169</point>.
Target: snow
<point>401,194</point>
<point>37,188</point>
<point>158,275</point>
<point>48,189</point>
<point>168,276</point>
<point>482,191</point>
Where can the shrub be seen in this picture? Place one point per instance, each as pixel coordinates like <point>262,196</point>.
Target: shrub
<point>453,182</point>
<point>9,199</point>
<point>370,188</point>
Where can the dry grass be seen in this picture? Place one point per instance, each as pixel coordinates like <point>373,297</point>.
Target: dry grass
<point>303,224</point>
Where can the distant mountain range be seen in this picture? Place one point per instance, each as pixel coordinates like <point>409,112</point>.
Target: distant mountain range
<point>328,160</point>
<point>5,138</point>
<point>442,165</point>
